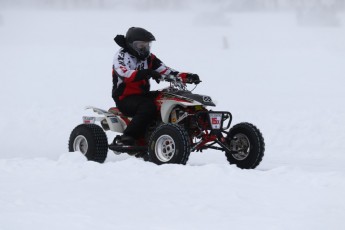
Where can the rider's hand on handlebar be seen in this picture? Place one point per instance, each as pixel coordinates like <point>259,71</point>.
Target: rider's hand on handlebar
<point>192,78</point>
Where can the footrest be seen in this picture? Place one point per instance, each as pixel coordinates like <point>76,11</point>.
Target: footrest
<point>128,149</point>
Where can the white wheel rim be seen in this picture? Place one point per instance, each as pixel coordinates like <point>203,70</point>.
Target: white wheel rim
<point>80,144</point>
<point>241,145</point>
<point>165,148</point>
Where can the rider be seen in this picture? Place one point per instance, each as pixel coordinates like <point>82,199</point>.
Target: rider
<point>133,66</point>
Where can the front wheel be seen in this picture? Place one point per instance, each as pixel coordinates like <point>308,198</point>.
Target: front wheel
<point>247,146</point>
<point>90,140</point>
<point>169,144</point>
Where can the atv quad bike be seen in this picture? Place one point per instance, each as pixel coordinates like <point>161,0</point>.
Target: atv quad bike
<point>183,125</point>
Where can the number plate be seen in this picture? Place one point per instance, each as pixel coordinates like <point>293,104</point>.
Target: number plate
<point>216,120</point>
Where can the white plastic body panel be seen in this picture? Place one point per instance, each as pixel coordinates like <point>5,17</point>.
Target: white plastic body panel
<point>168,105</point>
<point>116,123</point>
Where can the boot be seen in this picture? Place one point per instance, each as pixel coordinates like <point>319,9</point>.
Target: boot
<point>122,140</point>
<point>127,140</point>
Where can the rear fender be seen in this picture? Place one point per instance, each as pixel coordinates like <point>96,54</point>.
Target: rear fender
<point>115,123</point>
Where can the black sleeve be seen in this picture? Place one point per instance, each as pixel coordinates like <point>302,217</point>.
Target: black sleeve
<point>156,62</point>
<point>158,65</point>
<point>142,74</point>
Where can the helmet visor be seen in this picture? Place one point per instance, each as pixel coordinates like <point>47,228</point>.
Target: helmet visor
<point>141,46</point>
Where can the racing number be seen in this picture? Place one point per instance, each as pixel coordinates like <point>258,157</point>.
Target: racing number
<point>215,121</point>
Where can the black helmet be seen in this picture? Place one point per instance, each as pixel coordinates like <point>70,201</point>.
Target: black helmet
<point>139,42</point>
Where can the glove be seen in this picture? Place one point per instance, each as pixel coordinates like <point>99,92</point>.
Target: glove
<point>192,78</point>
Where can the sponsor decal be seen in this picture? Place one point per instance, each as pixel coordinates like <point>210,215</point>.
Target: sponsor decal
<point>206,99</point>
<point>121,58</point>
<point>123,69</point>
<point>114,120</point>
<point>141,66</point>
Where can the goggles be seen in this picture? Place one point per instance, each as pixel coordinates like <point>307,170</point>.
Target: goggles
<point>141,46</point>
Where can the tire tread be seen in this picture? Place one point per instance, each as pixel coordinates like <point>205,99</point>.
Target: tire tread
<point>182,133</point>
<point>259,141</point>
<point>96,136</point>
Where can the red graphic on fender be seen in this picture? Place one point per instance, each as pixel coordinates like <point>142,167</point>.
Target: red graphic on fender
<point>162,97</point>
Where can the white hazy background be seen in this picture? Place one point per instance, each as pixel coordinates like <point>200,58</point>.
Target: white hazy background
<point>277,64</point>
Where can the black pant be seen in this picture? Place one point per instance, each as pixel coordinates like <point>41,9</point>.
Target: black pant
<point>143,110</point>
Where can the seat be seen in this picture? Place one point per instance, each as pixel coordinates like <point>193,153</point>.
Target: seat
<point>115,111</point>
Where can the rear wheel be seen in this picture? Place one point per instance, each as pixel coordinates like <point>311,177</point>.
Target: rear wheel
<point>90,140</point>
<point>247,146</point>
<point>169,144</point>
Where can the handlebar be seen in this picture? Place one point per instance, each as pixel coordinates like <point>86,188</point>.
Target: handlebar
<point>175,82</point>
<point>170,78</point>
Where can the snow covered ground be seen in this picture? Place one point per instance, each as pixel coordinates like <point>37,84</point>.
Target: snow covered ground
<point>266,68</point>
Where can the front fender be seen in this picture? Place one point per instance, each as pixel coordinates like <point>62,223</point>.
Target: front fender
<point>168,105</point>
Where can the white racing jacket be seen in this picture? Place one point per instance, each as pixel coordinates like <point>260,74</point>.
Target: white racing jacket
<point>130,74</point>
